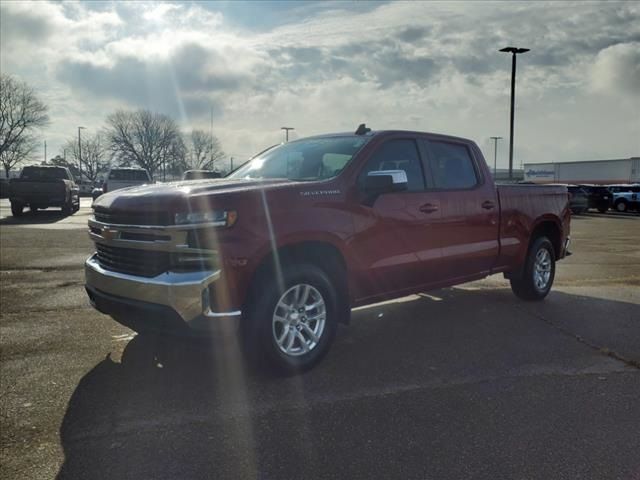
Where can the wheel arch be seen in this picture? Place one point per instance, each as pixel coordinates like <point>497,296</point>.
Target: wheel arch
<point>551,228</point>
<point>322,253</point>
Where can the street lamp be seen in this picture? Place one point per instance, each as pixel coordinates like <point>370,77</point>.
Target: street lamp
<point>495,154</point>
<point>286,129</point>
<point>80,154</point>
<point>514,51</point>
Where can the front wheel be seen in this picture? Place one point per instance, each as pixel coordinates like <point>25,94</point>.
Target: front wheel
<point>16,209</point>
<point>539,272</point>
<point>292,321</point>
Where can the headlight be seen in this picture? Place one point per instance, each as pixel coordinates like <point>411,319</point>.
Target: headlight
<point>218,218</point>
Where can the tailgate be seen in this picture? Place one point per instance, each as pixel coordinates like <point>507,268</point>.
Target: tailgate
<point>44,190</point>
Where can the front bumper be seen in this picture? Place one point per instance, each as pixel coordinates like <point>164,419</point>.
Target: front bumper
<point>183,296</point>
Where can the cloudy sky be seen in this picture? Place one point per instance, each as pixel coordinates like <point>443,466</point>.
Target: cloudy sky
<point>323,67</point>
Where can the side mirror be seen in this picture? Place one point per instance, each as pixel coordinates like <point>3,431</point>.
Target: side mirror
<point>378,182</point>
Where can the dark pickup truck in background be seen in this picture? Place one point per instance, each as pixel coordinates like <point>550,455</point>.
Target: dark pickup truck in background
<point>44,186</point>
<point>290,242</point>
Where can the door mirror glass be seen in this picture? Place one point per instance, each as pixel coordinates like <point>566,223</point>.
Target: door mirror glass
<point>385,181</point>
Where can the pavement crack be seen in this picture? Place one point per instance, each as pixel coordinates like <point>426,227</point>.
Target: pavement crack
<point>600,349</point>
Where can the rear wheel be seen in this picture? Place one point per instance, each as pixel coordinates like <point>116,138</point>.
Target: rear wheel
<point>16,209</point>
<point>67,208</point>
<point>621,206</point>
<point>539,271</point>
<point>291,327</point>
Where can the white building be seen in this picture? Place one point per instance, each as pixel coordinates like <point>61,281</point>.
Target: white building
<point>605,172</point>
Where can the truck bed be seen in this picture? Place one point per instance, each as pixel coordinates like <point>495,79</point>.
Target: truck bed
<point>522,207</point>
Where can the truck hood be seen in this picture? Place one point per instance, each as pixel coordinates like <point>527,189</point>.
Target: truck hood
<point>178,196</point>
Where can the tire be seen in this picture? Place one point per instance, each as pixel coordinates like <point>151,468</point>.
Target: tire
<point>621,206</point>
<point>33,208</point>
<point>275,324</point>
<point>16,209</point>
<point>534,285</point>
<point>602,209</point>
<point>67,208</point>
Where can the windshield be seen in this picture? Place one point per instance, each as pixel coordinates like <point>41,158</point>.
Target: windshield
<point>40,173</point>
<point>308,159</point>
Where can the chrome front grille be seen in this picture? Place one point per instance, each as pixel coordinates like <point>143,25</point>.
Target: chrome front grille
<point>145,263</point>
<point>132,218</point>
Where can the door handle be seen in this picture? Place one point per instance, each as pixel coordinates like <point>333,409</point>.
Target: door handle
<point>488,205</point>
<point>429,208</point>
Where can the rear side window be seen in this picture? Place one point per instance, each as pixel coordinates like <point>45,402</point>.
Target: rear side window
<point>129,175</point>
<point>44,173</point>
<point>452,166</point>
<point>397,155</point>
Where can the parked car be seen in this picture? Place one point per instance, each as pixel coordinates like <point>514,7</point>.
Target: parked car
<point>598,197</point>
<point>294,239</point>
<point>200,174</point>
<point>625,197</point>
<point>125,177</point>
<point>4,188</point>
<point>44,186</point>
<point>96,192</point>
<point>578,199</point>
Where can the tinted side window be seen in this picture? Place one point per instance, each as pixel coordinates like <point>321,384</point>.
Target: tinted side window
<point>452,166</point>
<point>129,175</point>
<point>141,175</point>
<point>397,155</point>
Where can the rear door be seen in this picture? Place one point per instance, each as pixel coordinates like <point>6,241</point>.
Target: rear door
<point>393,243</point>
<point>469,223</point>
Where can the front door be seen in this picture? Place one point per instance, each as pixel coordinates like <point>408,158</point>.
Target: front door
<point>394,245</point>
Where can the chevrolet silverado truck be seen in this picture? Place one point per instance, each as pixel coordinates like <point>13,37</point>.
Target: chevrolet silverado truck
<point>42,187</point>
<point>290,242</point>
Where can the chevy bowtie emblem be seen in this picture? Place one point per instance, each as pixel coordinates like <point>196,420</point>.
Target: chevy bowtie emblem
<point>109,233</point>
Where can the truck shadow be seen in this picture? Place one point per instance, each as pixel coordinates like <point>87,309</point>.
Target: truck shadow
<point>178,409</point>
<point>35,218</point>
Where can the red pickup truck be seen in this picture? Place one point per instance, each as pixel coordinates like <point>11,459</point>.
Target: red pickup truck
<point>305,231</point>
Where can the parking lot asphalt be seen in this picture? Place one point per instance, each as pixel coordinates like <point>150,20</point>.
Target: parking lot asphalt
<point>466,382</point>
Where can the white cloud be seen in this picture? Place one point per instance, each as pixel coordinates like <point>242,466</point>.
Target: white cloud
<point>617,70</point>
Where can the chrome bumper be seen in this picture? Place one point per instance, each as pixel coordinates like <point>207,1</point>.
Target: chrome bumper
<point>185,293</point>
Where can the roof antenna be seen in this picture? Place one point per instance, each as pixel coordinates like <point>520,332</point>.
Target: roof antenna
<point>362,129</point>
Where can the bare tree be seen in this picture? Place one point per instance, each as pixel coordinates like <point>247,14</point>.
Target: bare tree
<point>204,150</point>
<point>94,155</point>
<point>19,150</point>
<point>143,138</point>
<point>21,111</point>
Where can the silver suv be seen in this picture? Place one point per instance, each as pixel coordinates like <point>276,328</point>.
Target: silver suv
<point>125,177</point>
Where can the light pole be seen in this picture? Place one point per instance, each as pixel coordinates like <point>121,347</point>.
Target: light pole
<point>514,51</point>
<point>495,155</point>
<point>286,129</point>
<point>80,154</point>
